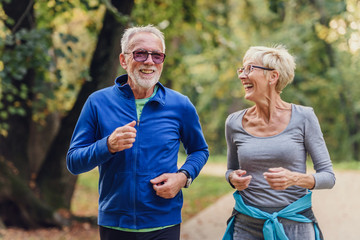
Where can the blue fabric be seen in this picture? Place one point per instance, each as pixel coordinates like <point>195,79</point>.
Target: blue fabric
<point>126,196</point>
<point>272,229</point>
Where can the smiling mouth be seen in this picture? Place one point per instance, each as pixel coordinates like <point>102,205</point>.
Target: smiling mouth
<point>147,71</point>
<point>248,86</point>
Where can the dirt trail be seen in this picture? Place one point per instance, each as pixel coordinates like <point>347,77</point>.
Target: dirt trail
<point>337,211</point>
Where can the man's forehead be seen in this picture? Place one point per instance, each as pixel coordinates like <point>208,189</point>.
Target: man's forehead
<point>146,40</point>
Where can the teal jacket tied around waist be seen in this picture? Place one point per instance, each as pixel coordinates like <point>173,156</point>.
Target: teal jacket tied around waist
<point>273,229</point>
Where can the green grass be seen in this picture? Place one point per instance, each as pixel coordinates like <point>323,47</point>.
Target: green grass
<point>204,191</point>
<point>217,159</point>
<point>85,198</point>
<point>352,165</point>
<point>89,180</point>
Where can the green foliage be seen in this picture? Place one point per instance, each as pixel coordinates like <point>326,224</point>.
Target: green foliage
<point>205,40</point>
<point>206,45</point>
<point>49,10</point>
<point>53,52</point>
<point>24,50</point>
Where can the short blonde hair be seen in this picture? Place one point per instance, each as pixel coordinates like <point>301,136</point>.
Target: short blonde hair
<point>125,40</point>
<point>276,57</point>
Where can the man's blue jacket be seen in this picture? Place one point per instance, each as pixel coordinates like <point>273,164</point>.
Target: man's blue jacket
<point>127,198</point>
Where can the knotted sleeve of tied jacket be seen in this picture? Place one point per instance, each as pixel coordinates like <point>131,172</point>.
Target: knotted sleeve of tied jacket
<point>273,229</point>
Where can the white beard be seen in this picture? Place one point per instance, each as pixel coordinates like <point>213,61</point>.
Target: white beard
<point>143,82</point>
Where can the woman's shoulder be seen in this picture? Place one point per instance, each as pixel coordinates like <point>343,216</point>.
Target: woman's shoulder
<point>303,110</point>
<point>304,113</point>
<point>235,116</point>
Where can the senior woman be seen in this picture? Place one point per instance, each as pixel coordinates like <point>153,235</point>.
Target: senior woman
<point>267,146</point>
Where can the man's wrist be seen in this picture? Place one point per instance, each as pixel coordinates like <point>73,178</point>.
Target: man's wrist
<point>108,146</point>
<point>188,177</point>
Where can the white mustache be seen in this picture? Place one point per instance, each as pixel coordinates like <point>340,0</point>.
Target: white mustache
<point>147,68</point>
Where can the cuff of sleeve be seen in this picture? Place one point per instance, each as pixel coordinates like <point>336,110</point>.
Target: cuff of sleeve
<point>103,149</point>
<point>228,180</point>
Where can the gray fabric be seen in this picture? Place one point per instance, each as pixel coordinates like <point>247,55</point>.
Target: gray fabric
<point>248,228</point>
<point>287,149</point>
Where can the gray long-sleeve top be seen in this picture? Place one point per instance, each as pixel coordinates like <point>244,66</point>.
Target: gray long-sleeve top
<point>287,149</point>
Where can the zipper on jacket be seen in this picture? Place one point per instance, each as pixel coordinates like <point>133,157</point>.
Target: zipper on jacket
<point>135,155</point>
<point>134,193</point>
<point>136,152</point>
<point>136,147</point>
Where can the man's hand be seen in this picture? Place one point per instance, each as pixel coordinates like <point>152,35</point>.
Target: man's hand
<point>236,178</point>
<point>168,185</point>
<point>122,138</point>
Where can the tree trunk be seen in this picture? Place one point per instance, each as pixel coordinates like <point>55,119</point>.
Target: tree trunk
<point>19,205</point>
<point>55,183</point>
<point>24,201</point>
<point>14,146</point>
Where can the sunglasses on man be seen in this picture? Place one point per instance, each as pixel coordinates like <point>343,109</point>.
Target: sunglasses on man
<point>142,56</point>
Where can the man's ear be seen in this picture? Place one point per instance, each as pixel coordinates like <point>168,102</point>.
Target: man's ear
<point>122,61</point>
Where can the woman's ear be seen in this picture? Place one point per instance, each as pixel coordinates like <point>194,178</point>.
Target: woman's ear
<point>122,61</point>
<point>274,77</point>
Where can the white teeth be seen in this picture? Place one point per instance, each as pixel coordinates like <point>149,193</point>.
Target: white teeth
<point>248,85</point>
<point>146,71</point>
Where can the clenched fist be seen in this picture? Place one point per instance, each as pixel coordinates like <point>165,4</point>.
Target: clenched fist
<point>238,180</point>
<point>122,138</point>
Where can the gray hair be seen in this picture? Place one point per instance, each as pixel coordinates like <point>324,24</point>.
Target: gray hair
<point>276,57</point>
<point>125,40</point>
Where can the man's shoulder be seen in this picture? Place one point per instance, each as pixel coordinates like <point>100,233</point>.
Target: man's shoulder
<point>175,96</point>
<point>173,92</point>
<point>101,92</point>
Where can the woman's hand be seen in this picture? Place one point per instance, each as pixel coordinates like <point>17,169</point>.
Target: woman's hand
<point>236,178</point>
<point>281,178</point>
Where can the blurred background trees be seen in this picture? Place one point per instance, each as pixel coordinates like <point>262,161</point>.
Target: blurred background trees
<point>54,53</point>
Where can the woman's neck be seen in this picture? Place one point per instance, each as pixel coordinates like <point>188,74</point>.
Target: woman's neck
<point>268,108</point>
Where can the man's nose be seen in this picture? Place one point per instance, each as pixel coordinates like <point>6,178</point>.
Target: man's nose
<point>149,60</point>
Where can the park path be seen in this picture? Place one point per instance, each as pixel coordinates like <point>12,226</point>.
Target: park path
<point>337,210</point>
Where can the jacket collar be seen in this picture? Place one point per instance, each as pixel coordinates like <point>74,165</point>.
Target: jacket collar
<point>121,84</point>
